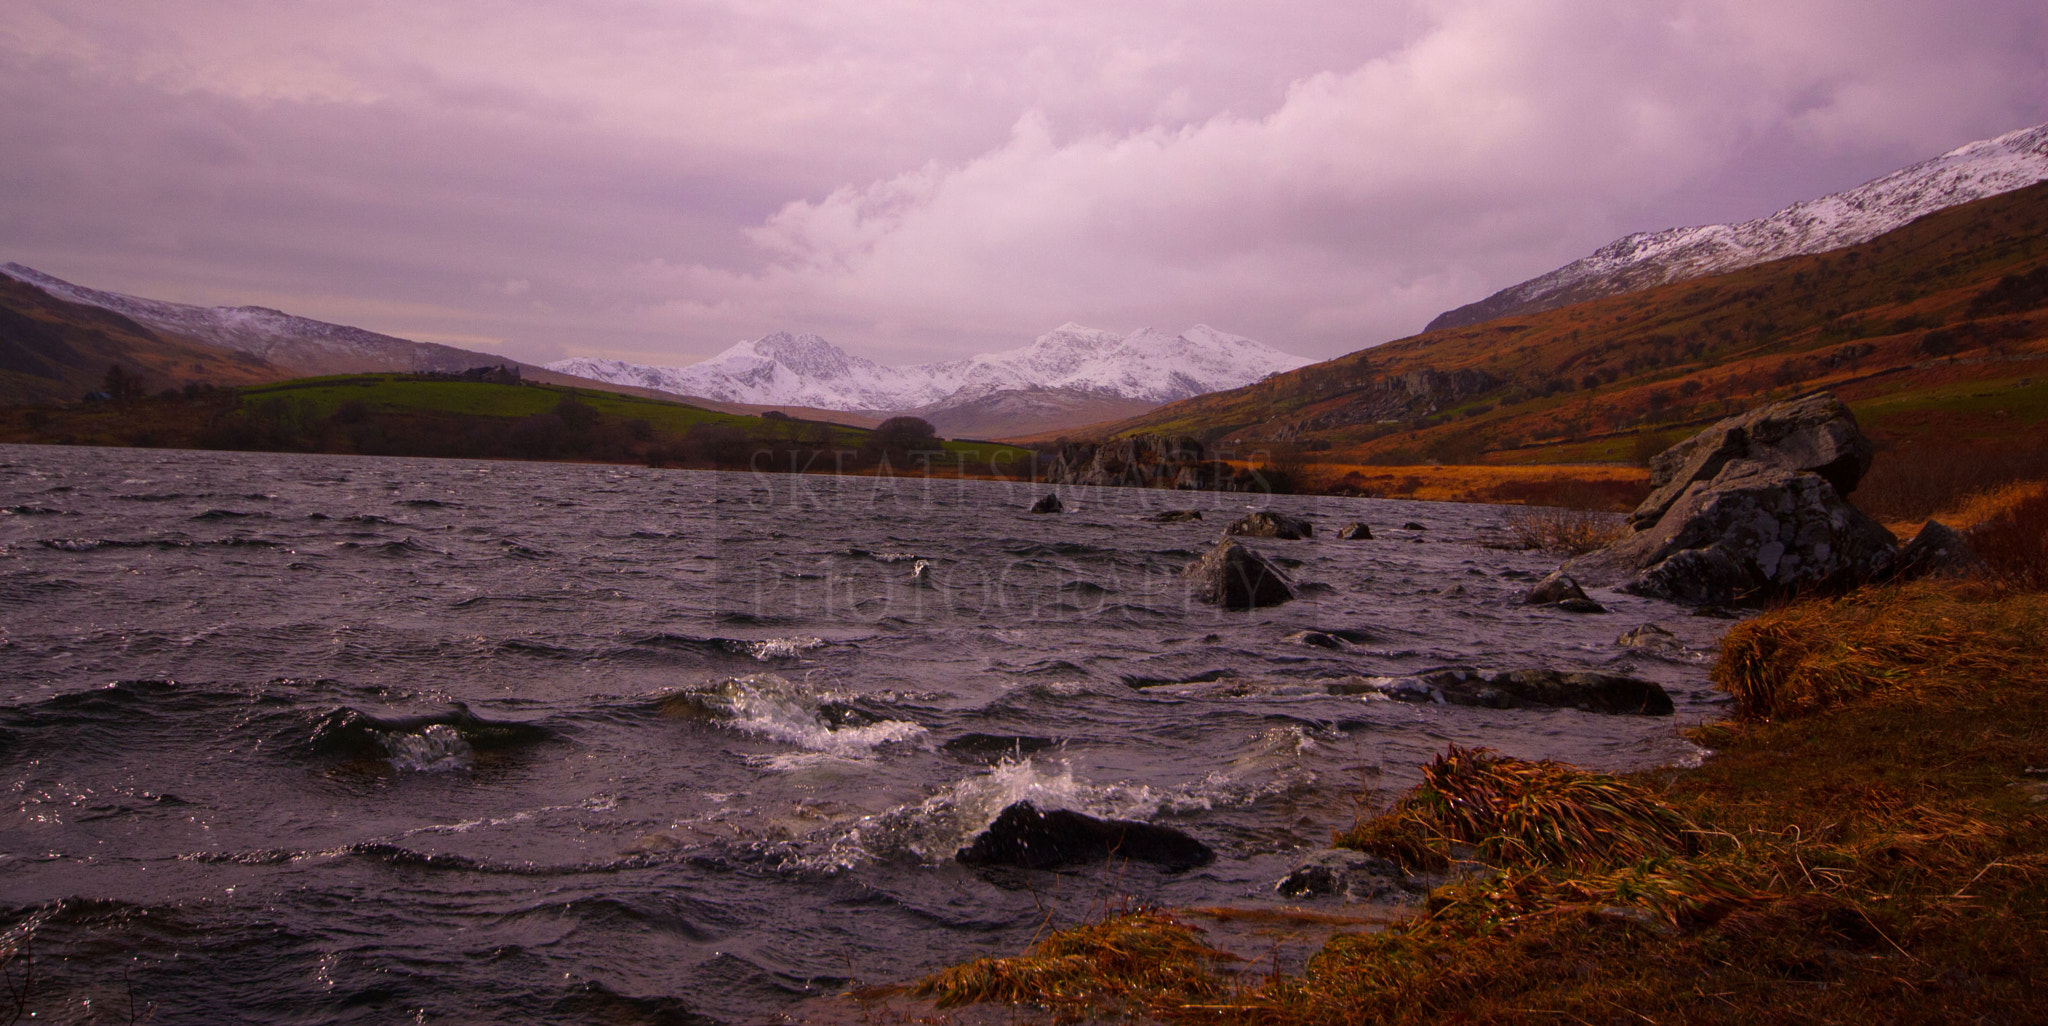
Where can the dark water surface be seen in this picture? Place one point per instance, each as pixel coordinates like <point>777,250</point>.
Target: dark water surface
<point>299,739</point>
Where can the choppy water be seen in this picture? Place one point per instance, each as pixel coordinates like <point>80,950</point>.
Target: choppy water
<point>326,739</point>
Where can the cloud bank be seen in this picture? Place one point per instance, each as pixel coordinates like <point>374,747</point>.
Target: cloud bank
<point>656,180</point>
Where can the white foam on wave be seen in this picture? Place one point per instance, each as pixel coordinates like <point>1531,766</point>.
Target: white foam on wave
<point>783,648</point>
<point>776,708</point>
<point>437,749</point>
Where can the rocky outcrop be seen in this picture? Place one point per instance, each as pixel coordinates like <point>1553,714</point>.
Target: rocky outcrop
<point>1815,434</point>
<point>1049,504</point>
<point>1147,461</point>
<point>1268,523</point>
<point>1355,531</point>
<point>1752,509</point>
<point>1551,689</point>
<point>1027,838</point>
<point>1352,875</point>
<point>1235,577</point>
<point>1937,551</point>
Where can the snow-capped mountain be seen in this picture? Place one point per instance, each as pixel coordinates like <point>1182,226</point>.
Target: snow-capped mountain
<point>805,370</point>
<point>1643,260</point>
<point>297,344</point>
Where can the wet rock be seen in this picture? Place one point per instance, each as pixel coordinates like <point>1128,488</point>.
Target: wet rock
<point>1552,689</point>
<point>1355,530</point>
<point>1752,534</point>
<point>1025,837</point>
<point>1578,605</point>
<point>1353,875</point>
<point>1937,551</point>
<point>1555,588</point>
<point>1175,516</point>
<point>1413,526</point>
<point>1592,692</point>
<point>1233,576</point>
<point>1268,523</point>
<point>1811,434</point>
<point>1650,638</point>
<point>1316,639</point>
<point>1049,504</point>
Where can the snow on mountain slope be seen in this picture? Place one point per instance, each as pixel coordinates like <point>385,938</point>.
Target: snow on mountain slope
<point>805,370</point>
<point>1643,260</point>
<point>295,343</point>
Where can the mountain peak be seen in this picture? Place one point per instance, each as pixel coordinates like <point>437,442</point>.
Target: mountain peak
<point>805,370</point>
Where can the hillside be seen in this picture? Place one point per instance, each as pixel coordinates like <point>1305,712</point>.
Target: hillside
<point>51,349</point>
<point>1934,333</point>
<point>1644,259</point>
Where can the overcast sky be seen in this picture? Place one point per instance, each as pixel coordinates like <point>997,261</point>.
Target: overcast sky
<point>654,180</point>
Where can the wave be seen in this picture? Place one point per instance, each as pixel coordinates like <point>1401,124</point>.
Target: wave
<point>773,707</point>
<point>438,742</point>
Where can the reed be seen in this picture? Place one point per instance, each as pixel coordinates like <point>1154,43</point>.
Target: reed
<point>1569,531</point>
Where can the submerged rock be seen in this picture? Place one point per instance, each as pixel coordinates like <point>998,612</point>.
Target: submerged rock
<point>1555,588</point>
<point>1413,526</point>
<point>1233,576</point>
<point>1175,516</point>
<point>1651,638</point>
<point>1551,689</point>
<point>1354,875</point>
<point>1937,551</point>
<point>1049,504</point>
<point>1025,837</point>
<point>1268,523</point>
<point>1356,530</point>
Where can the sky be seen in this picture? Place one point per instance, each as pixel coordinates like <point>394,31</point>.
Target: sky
<point>654,180</point>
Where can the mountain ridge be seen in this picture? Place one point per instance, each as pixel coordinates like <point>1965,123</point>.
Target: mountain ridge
<point>1641,260</point>
<point>1145,365</point>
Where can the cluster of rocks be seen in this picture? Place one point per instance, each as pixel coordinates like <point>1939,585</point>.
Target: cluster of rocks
<point>1753,509</point>
<point>1609,693</point>
<point>1147,461</point>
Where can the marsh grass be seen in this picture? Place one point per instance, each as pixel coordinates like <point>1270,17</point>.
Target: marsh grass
<point>1516,812</point>
<point>1874,851</point>
<point>1569,531</point>
<point>1131,961</point>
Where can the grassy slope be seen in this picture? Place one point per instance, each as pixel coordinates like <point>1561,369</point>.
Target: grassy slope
<point>424,400</point>
<point>54,350</point>
<point>1583,383</point>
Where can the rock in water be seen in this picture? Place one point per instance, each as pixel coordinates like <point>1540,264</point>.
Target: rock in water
<point>1937,551</point>
<point>1751,510</point>
<point>1814,434</point>
<point>1354,874</point>
<point>1049,504</point>
<point>1235,577</point>
<point>1268,523</point>
<point>1555,588</point>
<point>1025,837</point>
<point>1355,530</point>
<point>1175,516</point>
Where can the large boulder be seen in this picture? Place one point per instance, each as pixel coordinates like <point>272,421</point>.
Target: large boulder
<point>1753,533</point>
<point>1815,434</point>
<point>1268,523</point>
<point>1235,577</point>
<point>1025,837</point>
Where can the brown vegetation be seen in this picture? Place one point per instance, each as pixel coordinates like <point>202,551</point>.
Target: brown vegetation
<point>1866,845</point>
<point>1571,532</point>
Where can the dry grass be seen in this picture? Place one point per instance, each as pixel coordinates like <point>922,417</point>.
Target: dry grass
<point>1128,962</point>
<point>1515,812</point>
<point>1600,487</point>
<point>1881,858</point>
<point>1937,640</point>
<point>1569,531</point>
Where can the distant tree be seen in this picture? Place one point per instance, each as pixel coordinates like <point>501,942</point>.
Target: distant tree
<point>120,383</point>
<point>905,434</point>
